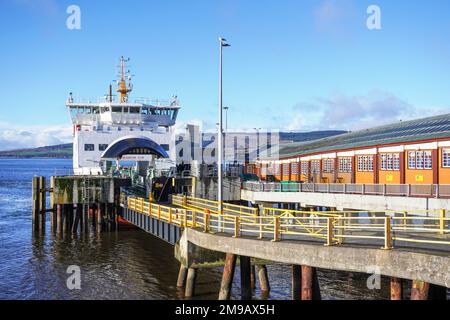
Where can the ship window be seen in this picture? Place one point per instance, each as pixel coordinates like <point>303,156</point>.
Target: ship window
<point>116,109</point>
<point>73,112</point>
<point>88,110</point>
<point>80,110</point>
<point>95,110</point>
<point>103,110</point>
<point>144,111</point>
<point>134,110</point>
<point>89,147</point>
<point>165,147</point>
<point>102,147</point>
<point>125,109</point>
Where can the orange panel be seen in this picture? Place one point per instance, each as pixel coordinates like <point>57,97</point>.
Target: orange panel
<point>444,173</point>
<point>420,176</point>
<point>389,177</point>
<point>344,177</point>
<point>364,177</point>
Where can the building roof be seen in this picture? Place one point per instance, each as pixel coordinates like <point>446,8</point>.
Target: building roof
<point>402,132</point>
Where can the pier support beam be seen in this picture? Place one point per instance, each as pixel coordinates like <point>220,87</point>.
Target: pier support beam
<point>227,277</point>
<point>396,288</point>
<point>245,266</point>
<point>263,278</point>
<point>419,290</point>
<point>181,281</point>
<point>310,284</point>
<point>296,282</point>
<point>190,283</point>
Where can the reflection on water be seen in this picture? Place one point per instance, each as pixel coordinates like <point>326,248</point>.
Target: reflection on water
<point>128,264</point>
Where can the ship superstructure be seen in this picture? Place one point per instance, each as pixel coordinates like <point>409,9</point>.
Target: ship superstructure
<point>99,125</point>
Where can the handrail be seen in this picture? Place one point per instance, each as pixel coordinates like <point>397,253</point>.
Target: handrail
<point>330,229</point>
<point>404,190</point>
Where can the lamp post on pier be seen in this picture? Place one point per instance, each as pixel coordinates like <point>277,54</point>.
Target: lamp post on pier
<point>222,44</point>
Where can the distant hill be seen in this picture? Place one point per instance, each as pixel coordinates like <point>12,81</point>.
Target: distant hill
<point>57,151</point>
<point>65,150</point>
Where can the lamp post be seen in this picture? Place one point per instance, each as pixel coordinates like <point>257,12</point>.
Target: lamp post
<point>257,143</point>
<point>226,118</point>
<point>222,43</point>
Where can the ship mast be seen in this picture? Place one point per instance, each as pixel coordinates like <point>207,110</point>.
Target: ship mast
<point>122,87</point>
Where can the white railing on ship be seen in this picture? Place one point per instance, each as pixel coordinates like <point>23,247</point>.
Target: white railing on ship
<point>405,190</point>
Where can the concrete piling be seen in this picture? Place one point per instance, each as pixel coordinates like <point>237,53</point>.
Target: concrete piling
<point>245,266</point>
<point>227,277</point>
<point>181,281</point>
<point>190,282</point>
<point>263,278</point>
<point>396,288</point>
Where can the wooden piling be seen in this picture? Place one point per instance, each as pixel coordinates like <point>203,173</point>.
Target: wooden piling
<point>190,282</point>
<point>181,281</point>
<point>227,277</point>
<point>42,203</point>
<point>296,282</point>
<point>59,219</point>
<point>263,278</point>
<point>396,288</point>
<point>35,204</point>
<point>252,277</point>
<point>77,218</point>
<point>245,266</point>
<point>310,284</point>
<point>419,290</point>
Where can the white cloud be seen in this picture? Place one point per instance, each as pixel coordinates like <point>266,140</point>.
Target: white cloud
<point>18,136</point>
<point>357,112</point>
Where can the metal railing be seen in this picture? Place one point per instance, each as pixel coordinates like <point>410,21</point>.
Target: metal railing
<point>404,190</point>
<point>329,228</point>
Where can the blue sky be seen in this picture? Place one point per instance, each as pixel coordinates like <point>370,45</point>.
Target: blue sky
<point>299,65</point>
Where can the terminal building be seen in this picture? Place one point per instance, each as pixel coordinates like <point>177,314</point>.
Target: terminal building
<point>407,152</point>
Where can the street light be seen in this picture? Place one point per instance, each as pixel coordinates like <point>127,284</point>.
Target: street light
<point>257,143</point>
<point>222,43</point>
<point>226,118</point>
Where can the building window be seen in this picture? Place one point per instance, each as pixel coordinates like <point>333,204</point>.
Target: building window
<point>446,158</point>
<point>365,163</point>
<point>427,160</point>
<point>345,165</point>
<point>285,169</point>
<point>328,166</point>
<point>315,166</point>
<point>89,147</point>
<point>294,167</point>
<point>304,167</point>
<point>390,161</point>
<point>411,160</point>
<point>277,169</point>
<point>102,147</point>
<point>420,160</point>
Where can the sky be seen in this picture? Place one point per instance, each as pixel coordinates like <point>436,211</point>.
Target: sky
<point>292,65</point>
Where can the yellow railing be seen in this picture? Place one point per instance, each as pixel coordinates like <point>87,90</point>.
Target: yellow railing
<point>279,224</point>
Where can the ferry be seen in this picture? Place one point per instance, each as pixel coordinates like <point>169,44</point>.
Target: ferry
<point>114,128</point>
